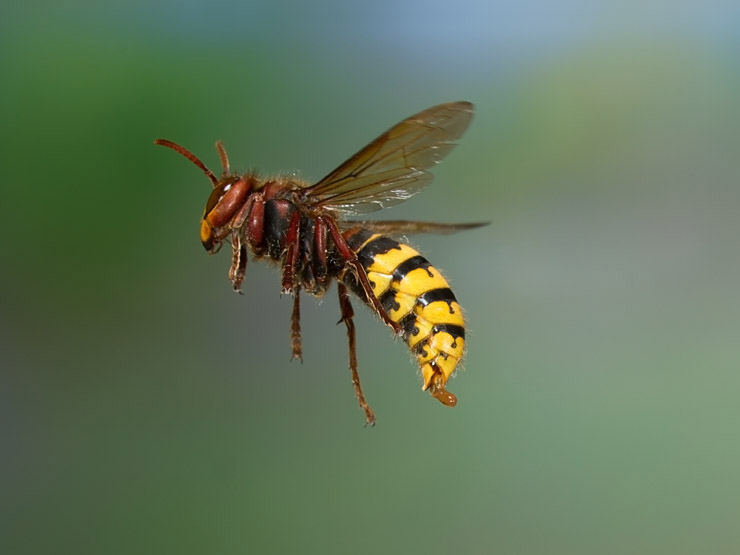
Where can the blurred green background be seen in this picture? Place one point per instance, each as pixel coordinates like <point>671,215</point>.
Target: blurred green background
<point>146,408</point>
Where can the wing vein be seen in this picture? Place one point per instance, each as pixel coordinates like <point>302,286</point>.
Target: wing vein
<point>391,168</point>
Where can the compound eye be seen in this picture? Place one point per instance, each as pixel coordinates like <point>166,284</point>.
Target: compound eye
<point>215,196</point>
<point>225,201</point>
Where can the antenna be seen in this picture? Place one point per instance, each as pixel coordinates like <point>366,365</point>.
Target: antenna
<point>194,159</point>
<point>224,157</point>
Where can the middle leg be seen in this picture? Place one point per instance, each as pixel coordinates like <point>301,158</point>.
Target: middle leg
<point>292,251</point>
<point>295,327</point>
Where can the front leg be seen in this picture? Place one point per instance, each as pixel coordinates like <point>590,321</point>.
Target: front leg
<point>238,243</point>
<point>238,261</point>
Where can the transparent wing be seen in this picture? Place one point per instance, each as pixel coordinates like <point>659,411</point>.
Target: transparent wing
<point>392,168</point>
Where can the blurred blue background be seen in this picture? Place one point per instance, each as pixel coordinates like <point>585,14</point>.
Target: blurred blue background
<point>146,408</point>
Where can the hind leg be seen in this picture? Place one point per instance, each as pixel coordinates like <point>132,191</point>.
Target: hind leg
<point>351,261</point>
<point>347,315</point>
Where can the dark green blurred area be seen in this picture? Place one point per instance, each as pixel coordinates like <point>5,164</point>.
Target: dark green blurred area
<point>145,408</point>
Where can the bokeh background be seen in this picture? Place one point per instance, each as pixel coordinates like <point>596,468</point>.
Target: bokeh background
<point>146,408</point>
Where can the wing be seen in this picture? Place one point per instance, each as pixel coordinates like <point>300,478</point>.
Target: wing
<point>392,168</point>
<point>404,227</point>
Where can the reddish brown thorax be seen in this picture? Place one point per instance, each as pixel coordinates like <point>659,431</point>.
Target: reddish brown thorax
<point>272,189</point>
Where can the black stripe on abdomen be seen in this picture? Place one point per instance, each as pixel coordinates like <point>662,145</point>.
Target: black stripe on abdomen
<point>408,325</point>
<point>388,300</point>
<point>379,245</point>
<point>412,263</point>
<point>443,294</point>
<point>453,329</point>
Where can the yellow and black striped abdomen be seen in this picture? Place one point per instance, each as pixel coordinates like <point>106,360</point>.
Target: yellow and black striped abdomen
<point>414,294</point>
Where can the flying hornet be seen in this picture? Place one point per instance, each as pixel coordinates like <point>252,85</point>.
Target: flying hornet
<point>304,228</point>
